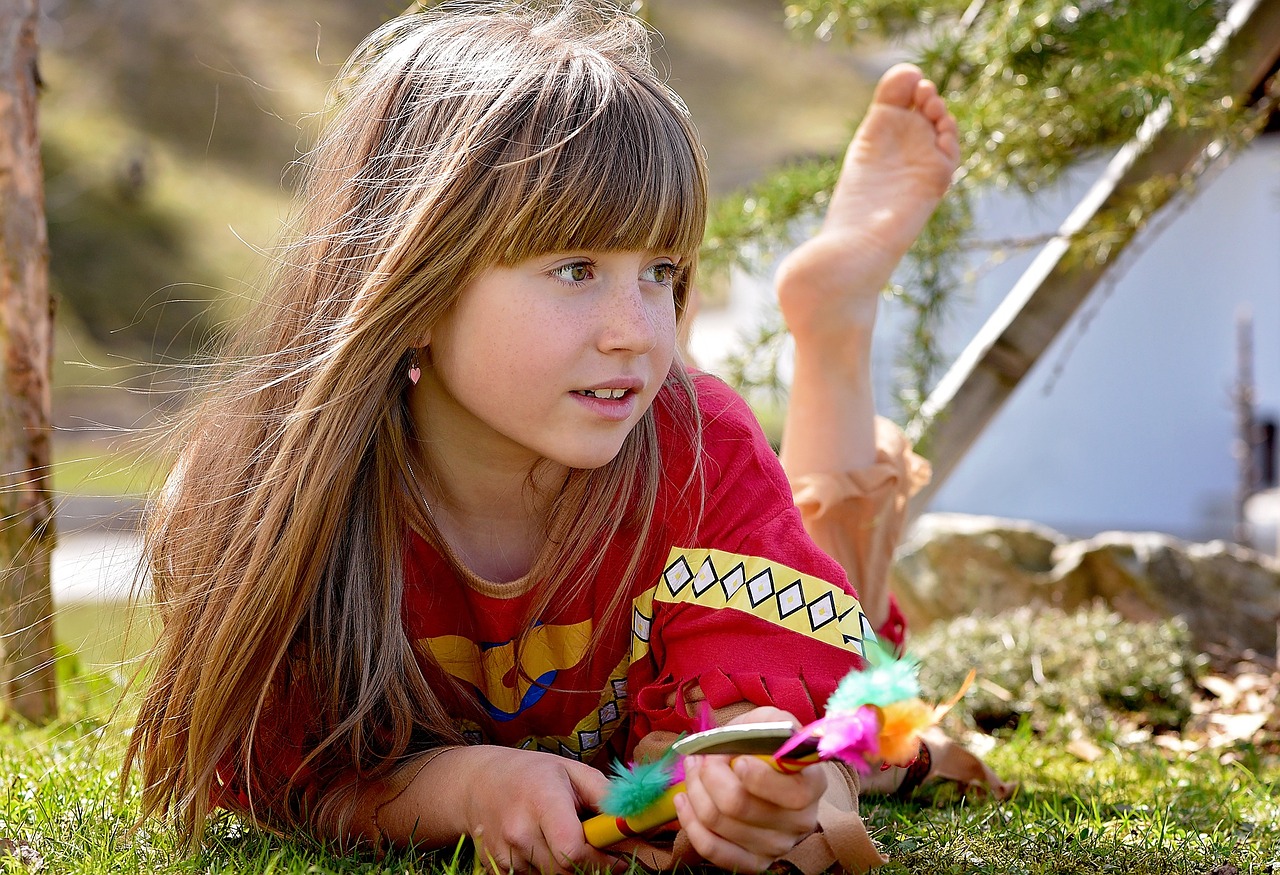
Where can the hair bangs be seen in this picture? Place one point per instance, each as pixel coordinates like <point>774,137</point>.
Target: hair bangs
<point>628,176</point>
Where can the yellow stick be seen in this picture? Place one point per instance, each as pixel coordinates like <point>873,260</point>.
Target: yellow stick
<point>606,830</point>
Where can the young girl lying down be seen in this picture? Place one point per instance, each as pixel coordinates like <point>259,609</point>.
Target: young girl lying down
<point>456,528</point>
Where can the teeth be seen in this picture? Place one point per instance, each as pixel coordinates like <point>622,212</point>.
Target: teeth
<point>611,394</point>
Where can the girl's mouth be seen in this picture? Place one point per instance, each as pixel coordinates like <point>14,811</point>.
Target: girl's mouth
<point>607,394</point>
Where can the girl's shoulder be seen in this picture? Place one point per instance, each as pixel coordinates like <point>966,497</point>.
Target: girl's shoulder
<point>724,435</point>
<point>721,410</point>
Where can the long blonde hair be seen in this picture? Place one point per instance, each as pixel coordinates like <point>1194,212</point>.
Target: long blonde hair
<point>464,137</point>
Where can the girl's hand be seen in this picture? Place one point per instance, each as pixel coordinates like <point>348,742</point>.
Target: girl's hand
<point>739,813</point>
<point>523,814</point>
<point>521,809</point>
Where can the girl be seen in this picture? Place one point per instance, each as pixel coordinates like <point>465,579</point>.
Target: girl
<point>456,529</point>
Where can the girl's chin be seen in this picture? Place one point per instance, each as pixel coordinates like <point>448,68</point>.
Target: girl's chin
<point>589,458</point>
<point>589,463</point>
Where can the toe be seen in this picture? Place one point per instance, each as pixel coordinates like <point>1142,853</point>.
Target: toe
<point>926,93</point>
<point>897,87</point>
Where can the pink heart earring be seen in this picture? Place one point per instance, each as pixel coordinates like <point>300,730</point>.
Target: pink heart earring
<point>415,372</point>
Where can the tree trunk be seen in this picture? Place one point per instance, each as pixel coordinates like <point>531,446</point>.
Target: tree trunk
<point>26,348</point>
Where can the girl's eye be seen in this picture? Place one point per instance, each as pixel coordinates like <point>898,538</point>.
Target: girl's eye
<point>577,272</point>
<point>664,272</point>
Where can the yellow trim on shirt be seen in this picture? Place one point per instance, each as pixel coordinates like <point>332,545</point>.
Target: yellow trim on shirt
<point>762,588</point>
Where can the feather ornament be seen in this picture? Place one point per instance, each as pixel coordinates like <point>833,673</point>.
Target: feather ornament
<point>850,736</point>
<point>634,788</point>
<point>886,679</point>
<point>901,724</point>
<point>875,715</point>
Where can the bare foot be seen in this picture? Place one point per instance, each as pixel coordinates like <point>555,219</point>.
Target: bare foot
<point>895,171</point>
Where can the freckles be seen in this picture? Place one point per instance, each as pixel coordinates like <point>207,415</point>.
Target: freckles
<point>545,319</point>
<point>572,320</point>
<point>664,320</point>
<point>567,333</point>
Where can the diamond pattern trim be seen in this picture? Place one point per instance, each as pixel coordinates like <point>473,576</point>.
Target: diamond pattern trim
<point>757,586</point>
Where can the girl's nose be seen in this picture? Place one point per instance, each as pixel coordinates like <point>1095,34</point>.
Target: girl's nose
<point>629,321</point>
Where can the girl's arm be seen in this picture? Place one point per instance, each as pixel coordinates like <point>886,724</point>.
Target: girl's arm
<point>521,808</point>
<point>748,612</point>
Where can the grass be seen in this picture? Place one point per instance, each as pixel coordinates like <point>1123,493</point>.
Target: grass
<point>1133,809</point>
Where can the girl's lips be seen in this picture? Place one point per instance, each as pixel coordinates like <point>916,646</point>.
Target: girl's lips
<point>608,408</point>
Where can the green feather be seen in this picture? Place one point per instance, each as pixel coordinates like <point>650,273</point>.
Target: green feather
<point>632,790</point>
<point>886,679</point>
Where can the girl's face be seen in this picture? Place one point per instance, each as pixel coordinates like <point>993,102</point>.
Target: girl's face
<point>554,358</point>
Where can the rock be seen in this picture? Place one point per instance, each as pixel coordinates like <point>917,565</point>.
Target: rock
<point>955,564</point>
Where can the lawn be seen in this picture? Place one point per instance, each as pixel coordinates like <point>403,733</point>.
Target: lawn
<point>1111,801</point>
<point>101,468</point>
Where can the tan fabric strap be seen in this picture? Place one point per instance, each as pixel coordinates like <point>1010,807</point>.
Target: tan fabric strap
<point>856,517</point>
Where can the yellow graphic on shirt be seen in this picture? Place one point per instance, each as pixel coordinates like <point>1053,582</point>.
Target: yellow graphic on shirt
<point>506,692</point>
<point>585,741</point>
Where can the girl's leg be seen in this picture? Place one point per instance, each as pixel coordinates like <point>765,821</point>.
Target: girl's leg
<point>852,477</point>
<point>895,171</point>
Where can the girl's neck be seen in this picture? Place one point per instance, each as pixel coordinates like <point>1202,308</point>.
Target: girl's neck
<point>493,517</point>
<point>492,542</point>
<point>489,496</point>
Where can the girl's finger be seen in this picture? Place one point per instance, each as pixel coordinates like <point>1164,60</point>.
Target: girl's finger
<point>519,849</point>
<point>568,849</point>
<point>755,803</point>
<point>700,802</point>
<point>713,848</point>
<point>721,806</point>
<point>493,860</point>
<point>712,801</point>
<point>725,790</point>
<point>589,785</point>
<point>792,792</point>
